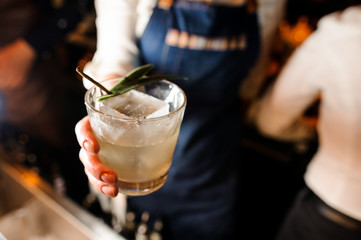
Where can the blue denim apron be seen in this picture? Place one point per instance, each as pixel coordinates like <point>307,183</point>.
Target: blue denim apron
<point>214,47</point>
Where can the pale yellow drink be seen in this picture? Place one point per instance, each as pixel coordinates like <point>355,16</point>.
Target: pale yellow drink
<point>139,167</point>
<point>138,149</point>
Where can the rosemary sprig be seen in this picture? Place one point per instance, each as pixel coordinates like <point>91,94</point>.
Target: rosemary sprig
<point>136,78</point>
<point>81,73</point>
<point>133,76</point>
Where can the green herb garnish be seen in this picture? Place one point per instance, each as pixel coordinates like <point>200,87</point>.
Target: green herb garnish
<point>136,78</point>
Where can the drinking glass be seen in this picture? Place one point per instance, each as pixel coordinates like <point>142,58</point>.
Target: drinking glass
<point>139,149</point>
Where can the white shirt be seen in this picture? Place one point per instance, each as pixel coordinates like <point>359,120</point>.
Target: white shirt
<point>329,62</point>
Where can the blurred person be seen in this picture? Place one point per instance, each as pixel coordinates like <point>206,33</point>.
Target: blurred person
<point>33,90</point>
<point>213,44</point>
<point>324,69</point>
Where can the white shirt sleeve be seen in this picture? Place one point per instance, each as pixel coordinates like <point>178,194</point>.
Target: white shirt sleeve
<point>116,52</point>
<point>295,89</point>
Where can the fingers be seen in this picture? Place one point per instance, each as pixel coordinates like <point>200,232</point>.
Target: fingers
<point>96,168</point>
<point>101,177</point>
<point>108,189</point>
<point>85,136</point>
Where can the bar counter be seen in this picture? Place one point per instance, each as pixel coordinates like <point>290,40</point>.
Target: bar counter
<point>31,209</point>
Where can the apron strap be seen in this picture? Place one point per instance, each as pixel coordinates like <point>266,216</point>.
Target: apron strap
<point>251,4</point>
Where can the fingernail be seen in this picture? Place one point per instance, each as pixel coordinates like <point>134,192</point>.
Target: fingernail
<point>87,146</point>
<point>109,190</point>
<point>108,178</point>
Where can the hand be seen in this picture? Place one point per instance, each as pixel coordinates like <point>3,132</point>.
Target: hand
<point>16,60</point>
<point>101,177</point>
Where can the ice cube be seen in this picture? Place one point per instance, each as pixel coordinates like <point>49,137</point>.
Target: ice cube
<point>110,110</point>
<point>134,104</point>
<point>160,112</point>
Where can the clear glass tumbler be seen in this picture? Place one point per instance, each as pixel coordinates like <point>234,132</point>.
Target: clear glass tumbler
<point>139,149</point>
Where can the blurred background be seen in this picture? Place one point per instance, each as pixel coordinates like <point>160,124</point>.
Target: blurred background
<point>275,169</point>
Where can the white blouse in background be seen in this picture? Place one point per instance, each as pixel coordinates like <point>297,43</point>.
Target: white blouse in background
<point>328,62</point>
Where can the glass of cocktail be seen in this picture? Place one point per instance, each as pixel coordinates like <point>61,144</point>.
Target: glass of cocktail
<point>137,132</point>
